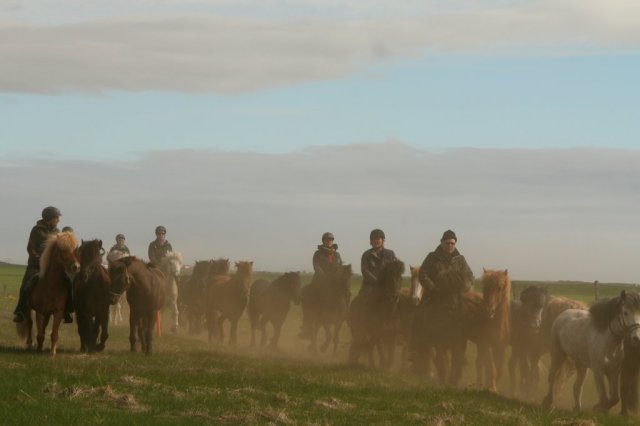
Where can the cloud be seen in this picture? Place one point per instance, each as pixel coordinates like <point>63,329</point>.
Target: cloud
<point>222,52</point>
<point>543,214</point>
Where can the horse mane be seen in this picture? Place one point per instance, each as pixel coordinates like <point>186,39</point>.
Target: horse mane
<point>605,310</point>
<point>391,270</point>
<point>171,255</point>
<point>64,241</point>
<point>502,281</point>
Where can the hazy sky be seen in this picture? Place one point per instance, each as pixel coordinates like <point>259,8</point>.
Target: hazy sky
<point>250,127</point>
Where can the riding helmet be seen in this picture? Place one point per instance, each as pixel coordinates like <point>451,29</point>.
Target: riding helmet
<point>160,229</point>
<point>50,212</point>
<point>327,236</point>
<point>376,233</point>
<point>120,236</point>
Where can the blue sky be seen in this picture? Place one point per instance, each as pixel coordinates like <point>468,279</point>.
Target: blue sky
<point>239,122</point>
<point>434,103</point>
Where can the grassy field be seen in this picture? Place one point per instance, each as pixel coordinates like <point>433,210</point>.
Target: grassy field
<point>191,381</point>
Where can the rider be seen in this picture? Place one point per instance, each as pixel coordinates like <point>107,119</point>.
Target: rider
<point>43,228</point>
<point>120,248</point>
<point>159,247</point>
<point>445,274</point>
<point>325,260</point>
<point>373,260</point>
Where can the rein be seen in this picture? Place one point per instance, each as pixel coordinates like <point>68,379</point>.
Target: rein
<point>127,280</point>
<point>622,326</point>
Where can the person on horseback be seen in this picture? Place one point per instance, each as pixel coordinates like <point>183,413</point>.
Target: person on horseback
<point>120,248</point>
<point>445,274</point>
<point>45,227</point>
<point>373,260</point>
<point>325,260</point>
<point>159,247</point>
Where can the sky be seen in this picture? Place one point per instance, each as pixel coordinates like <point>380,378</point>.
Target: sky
<point>248,128</point>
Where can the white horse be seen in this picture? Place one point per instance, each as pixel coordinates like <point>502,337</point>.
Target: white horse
<point>594,340</point>
<point>171,265</point>
<point>416,287</point>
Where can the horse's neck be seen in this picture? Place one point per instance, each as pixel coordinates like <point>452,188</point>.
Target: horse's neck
<point>416,288</point>
<point>617,327</point>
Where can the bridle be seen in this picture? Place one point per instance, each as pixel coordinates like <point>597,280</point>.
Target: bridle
<point>622,328</point>
<point>127,281</point>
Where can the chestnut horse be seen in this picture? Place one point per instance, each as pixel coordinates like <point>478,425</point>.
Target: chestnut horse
<point>192,292</point>
<point>371,314</point>
<point>92,297</point>
<point>145,287</point>
<point>226,298</point>
<point>270,302</point>
<point>58,264</point>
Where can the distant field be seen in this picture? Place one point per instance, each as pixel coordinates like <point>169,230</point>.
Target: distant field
<point>191,381</point>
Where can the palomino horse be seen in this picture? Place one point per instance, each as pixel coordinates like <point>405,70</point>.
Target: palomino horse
<point>58,263</point>
<point>325,304</point>
<point>226,298</point>
<point>270,302</point>
<point>92,297</point>
<point>526,322</point>
<point>170,265</point>
<point>594,340</point>
<point>372,312</point>
<point>145,287</point>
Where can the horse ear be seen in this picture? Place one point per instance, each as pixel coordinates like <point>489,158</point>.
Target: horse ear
<point>623,294</point>
<point>506,272</point>
<point>484,269</point>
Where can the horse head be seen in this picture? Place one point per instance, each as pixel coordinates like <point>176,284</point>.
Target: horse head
<point>61,250</point>
<point>120,277</point>
<point>496,290</point>
<point>629,315</point>
<point>291,282</point>
<point>416,287</point>
<point>171,264</point>
<point>390,281</point>
<point>534,299</point>
<point>90,254</point>
<point>219,267</point>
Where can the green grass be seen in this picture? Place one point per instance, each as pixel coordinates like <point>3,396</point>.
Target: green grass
<point>191,381</point>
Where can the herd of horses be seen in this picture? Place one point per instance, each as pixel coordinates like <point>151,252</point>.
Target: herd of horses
<point>604,338</point>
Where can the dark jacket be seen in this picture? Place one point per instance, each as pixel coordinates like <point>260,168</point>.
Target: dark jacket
<point>37,239</point>
<point>371,265</point>
<point>157,252</point>
<point>445,276</point>
<point>325,259</point>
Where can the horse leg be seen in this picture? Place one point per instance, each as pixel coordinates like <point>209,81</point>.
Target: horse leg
<point>513,363</point>
<point>233,328</point>
<point>612,378</point>
<point>327,337</point>
<point>55,327</point>
<point>629,380</point>
<point>263,331</point>
<point>313,345</point>
<point>103,321</point>
<point>336,337</point>
<point>277,327</point>
<point>458,351</point>
<point>558,358</point>
<point>481,363</point>
<point>492,368</point>
<point>41,324</point>
<point>133,329</point>
<point>441,362</point>
<point>149,326</point>
<point>581,373</point>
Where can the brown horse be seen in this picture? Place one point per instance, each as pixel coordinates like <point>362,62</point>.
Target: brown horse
<point>270,302</point>
<point>58,263</point>
<point>325,304</point>
<point>480,318</point>
<point>371,314</point>
<point>145,287</point>
<point>226,297</point>
<point>92,297</point>
<point>192,291</point>
<point>489,326</point>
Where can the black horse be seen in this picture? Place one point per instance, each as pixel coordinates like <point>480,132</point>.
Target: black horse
<point>92,297</point>
<point>325,303</point>
<point>526,320</point>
